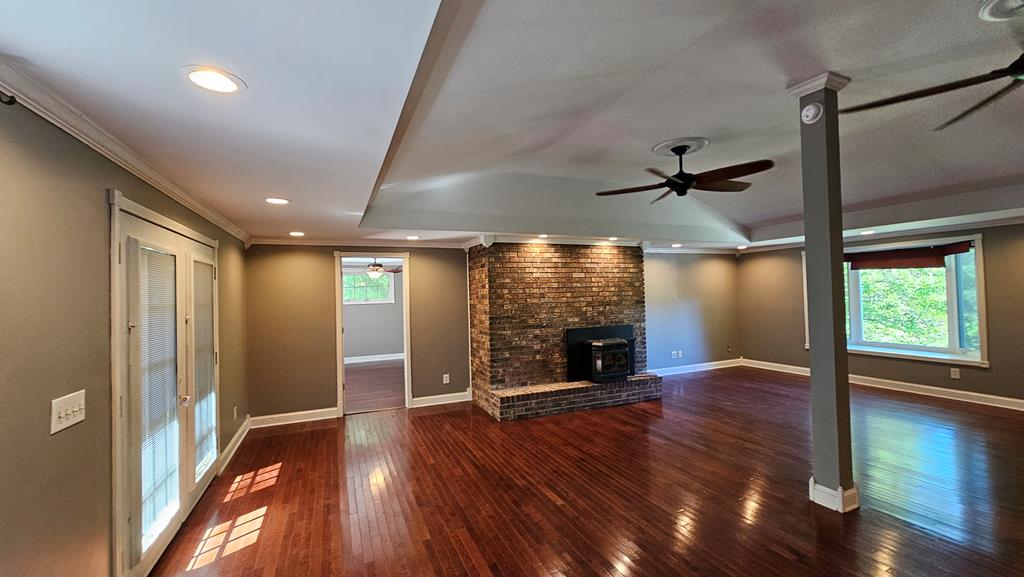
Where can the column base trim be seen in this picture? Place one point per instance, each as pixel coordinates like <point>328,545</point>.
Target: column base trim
<point>841,500</point>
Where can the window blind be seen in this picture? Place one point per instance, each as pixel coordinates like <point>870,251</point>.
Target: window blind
<point>204,369</point>
<point>158,392</point>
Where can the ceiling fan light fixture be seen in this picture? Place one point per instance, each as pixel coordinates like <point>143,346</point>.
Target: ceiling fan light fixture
<point>375,270</point>
<point>1000,10</point>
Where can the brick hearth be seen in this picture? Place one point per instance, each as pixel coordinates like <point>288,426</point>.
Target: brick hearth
<point>523,297</point>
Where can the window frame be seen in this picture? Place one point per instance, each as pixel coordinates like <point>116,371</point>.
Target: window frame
<point>950,354</point>
<point>388,300</point>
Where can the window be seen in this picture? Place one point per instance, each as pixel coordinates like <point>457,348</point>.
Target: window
<point>925,306</point>
<point>359,288</point>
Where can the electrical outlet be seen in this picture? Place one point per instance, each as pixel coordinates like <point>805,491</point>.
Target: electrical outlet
<point>66,411</point>
<point>674,355</point>
<point>954,373</point>
<point>446,379</point>
<point>680,353</point>
<point>728,349</point>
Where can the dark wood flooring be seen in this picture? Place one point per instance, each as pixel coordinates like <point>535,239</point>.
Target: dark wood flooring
<point>374,386</point>
<point>712,480</point>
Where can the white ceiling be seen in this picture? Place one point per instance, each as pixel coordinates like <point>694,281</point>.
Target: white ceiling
<point>327,80</point>
<point>579,91</point>
<point>522,109</point>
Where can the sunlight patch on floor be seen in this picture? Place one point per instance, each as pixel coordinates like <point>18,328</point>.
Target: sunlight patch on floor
<point>227,538</point>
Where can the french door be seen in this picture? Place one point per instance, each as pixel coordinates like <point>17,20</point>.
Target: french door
<point>166,441</point>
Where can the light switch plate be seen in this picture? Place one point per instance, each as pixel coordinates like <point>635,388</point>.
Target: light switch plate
<point>446,379</point>
<point>66,411</point>
<point>954,373</point>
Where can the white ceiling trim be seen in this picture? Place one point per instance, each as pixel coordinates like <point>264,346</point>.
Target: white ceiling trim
<point>361,242</point>
<point>489,239</point>
<point>992,219</point>
<point>69,119</point>
<point>684,250</point>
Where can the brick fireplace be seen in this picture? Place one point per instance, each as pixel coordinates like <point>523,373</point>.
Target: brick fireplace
<point>523,297</point>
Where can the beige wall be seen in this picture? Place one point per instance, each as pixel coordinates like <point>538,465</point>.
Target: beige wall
<point>691,306</point>
<point>291,324</point>
<point>771,309</point>
<point>55,339</point>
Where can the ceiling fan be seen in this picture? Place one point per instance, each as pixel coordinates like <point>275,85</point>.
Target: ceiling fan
<point>1015,71</point>
<point>718,180</point>
<point>376,270</point>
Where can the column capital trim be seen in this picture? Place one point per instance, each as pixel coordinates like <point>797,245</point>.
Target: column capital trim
<point>829,80</point>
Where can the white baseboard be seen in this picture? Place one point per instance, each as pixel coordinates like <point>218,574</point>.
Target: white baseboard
<point>374,358</point>
<point>842,500</point>
<point>459,397</point>
<point>777,367</point>
<point>229,452</point>
<point>296,417</point>
<point>915,388</point>
<point>696,367</point>
<point>941,392</point>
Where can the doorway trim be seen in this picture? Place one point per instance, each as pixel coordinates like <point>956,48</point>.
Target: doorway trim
<point>339,320</point>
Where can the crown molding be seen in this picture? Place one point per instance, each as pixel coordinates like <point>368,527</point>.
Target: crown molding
<point>828,80</point>
<point>69,119</point>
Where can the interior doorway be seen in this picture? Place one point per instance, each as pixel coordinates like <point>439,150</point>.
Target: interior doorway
<point>372,301</point>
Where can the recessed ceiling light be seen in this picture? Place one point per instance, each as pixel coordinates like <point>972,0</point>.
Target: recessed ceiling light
<point>297,233</point>
<point>677,245</point>
<point>276,200</point>
<point>1000,10</point>
<point>867,232</point>
<point>542,236</point>
<point>741,247</point>
<point>412,237</point>
<point>613,238</point>
<point>214,79</point>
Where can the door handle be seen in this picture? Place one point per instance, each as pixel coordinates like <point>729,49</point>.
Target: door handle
<point>185,400</point>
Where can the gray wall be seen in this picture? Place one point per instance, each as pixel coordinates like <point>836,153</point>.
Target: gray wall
<point>291,317</point>
<point>771,309</point>
<point>376,329</point>
<point>691,306</point>
<point>55,312</point>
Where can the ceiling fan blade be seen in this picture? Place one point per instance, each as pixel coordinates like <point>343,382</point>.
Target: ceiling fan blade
<point>931,91</point>
<point>662,174</point>
<point>629,190</point>
<point>723,186</point>
<point>734,171</point>
<point>662,195</point>
<point>999,94</point>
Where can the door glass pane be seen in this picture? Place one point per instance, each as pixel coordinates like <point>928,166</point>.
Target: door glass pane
<point>205,394</point>
<point>158,392</point>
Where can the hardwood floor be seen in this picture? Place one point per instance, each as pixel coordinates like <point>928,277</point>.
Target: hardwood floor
<point>374,386</point>
<point>712,480</point>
